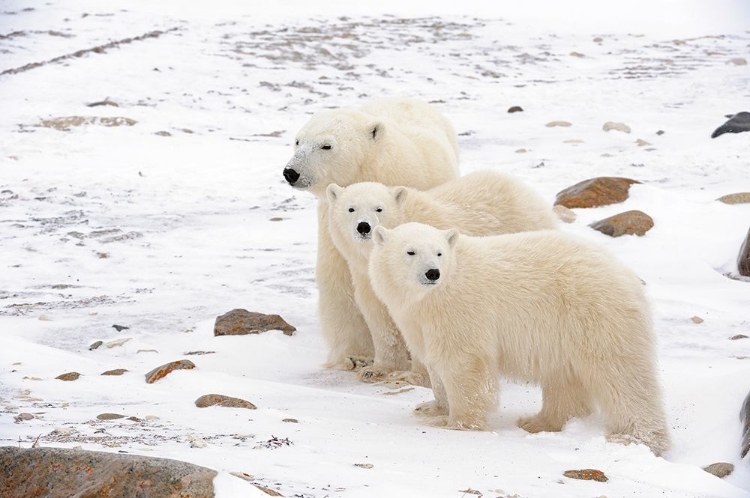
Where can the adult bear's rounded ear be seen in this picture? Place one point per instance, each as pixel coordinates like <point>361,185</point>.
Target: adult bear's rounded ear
<point>380,235</point>
<point>375,130</point>
<point>333,192</point>
<point>451,236</point>
<point>399,194</point>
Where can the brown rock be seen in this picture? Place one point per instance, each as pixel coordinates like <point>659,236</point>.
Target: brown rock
<point>720,469</point>
<point>241,322</point>
<point>743,258</point>
<point>613,125</point>
<point>627,223</point>
<point>164,370</point>
<point>116,371</point>
<point>738,337</point>
<point>595,192</point>
<point>62,473</point>
<point>565,214</point>
<point>109,416</point>
<point>65,123</point>
<point>555,124</point>
<point>69,376</point>
<point>577,54</point>
<point>515,108</point>
<point>221,400</point>
<point>22,417</point>
<point>738,198</point>
<point>268,491</point>
<point>587,475</point>
<point>641,143</point>
<point>697,319</point>
<point>291,420</point>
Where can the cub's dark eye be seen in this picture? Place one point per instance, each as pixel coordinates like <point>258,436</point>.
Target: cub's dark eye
<point>440,254</point>
<point>326,147</point>
<point>410,253</point>
<point>296,142</point>
<point>379,210</point>
<point>351,210</point>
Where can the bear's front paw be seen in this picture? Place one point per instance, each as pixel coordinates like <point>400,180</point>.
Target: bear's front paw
<point>467,425</point>
<point>357,362</point>
<point>536,423</point>
<point>430,409</point>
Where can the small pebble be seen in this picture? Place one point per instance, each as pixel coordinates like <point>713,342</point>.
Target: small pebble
<point>291,420</point>
<point>95,345</point>
<point>697,319</point>
<point>70,376</point>
<point>555,124</point>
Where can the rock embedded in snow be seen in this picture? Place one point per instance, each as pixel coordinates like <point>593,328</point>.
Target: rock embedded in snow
<point>720,469</point>
<point>109,416</point>
<point>586,475</point>
<point>95,345</point>
<point>521,151</point>
<point>22,417</point>
<point>737,198</point>
<point>116,371</point>
<point>164,370</point>
<point>577,54</point>
<point>627,223</point>
<point>242,322</point>
<point>613,125</point>
<point>555,124</point>
<point>595,192</point>
<point>743,258</point>
<point>641,143</point>
<point>515,108</point>
<point>738,61</point>
<point>70,376</point>
<point>738,123</point>
<point>63,472</point>
<point>745,419</point>
<point>67,122</point>
<point>697,319</point>
<point>118,342</point>
<point>221,400</point>
<point>738,337</point>
<point>565,214</point>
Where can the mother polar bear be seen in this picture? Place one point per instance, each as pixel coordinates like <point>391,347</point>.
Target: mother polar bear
<point>390,141</point>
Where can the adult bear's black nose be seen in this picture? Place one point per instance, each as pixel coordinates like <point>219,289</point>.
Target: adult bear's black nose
<point>432,274</point>
<point>363,227</point>
<point>290,175</point>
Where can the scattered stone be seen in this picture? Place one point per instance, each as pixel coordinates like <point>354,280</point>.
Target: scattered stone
<point>598,40</point>
<point>103,102</point>
<point>199,353</point>
<point>521,151</point>
<point>109,416</point>
<point>151,418</point>
<point>737,124</point>
<point>641,143</point>
<point>745,419</point>
<point>720,469</point>
<point>135,419</point>
<point>554,124</point>
<point>44,318</point>
<point>595,192</point>
<point>275,442</point>
<point>738,61</point>
<point>65,123</point>
<point>120,328</point>
<point>196,442</point>
<point>268,491</point>
<point>660,132</point>
<point>164,370</point>
<point>738,337</point>
<point>118,342</point>
<point>95,345</point>
<point>69,376</point>
<point>515,108</point>
<point>146,351</point>
<point>163,134</point>
<point>62,472</point>
<point>241,322</point>
<point>577,54</point>
<point>738,198</point>
<point>364,465</point>
<point>612,125</point>
<point>243,475</point>
<point>573,141</point>
<point>276,218</point>
<point>469,491</point>
<point>565,214</point>
<point>743,258</point>
<point>697,319</point>
<point>291,420</point>
<point>22,417</point>
<point>116,371</point>
<point>586,475</point>
<point>627,223</point>
<point>221,400</point>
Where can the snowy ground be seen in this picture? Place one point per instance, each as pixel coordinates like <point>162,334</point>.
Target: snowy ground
<point>121,225</point>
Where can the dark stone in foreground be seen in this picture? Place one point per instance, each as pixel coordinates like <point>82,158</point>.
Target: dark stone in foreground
<point>743,258</point>
<point>737,124</point>
<point>515,108</point>
<point>62,473</point>
<point>221,400</point>
<point>242,322</point>
<point>745,418</point>
<point>627,223</point>
<point>595,192</point>
<point>586,475</point>
<point>164,370</point>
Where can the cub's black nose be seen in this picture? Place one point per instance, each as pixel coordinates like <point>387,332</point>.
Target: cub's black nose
<point>290,175</point>
<point>432,274</point>
<point>363,227</point>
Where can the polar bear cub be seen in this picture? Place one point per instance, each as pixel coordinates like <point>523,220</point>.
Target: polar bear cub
<point>392,141</point>
<point>481,203</point>
<point>538,306</point>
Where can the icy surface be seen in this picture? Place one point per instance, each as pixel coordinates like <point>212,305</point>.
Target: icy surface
<point>163,232</point>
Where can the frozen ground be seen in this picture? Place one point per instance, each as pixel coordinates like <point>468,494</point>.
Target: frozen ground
<point>163,232</point>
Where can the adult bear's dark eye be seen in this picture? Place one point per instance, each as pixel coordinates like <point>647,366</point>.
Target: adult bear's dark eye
<point>326,147</point>
<point>351,210</point>
<point>379,210</point>
<point>296,142</point>
<point>440,254</point>
<point>410,253</point>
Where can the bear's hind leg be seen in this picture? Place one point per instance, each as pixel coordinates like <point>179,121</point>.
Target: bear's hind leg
<point>563,397</point>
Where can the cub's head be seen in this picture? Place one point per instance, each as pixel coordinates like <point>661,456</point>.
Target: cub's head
<point>356,210</point>
<point>413,257</point>
<point>331,148</point>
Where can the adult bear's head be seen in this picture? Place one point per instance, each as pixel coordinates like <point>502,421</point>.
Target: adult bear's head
<point>331,148</point>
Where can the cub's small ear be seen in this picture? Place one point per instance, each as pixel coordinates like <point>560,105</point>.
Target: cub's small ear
<point>380,235</point>
<point>375,130</point>
<point>451,236</point>
<point>399,194</point>
<point>333,192</point>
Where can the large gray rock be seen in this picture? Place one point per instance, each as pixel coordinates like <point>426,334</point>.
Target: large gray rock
<point>62,473</point>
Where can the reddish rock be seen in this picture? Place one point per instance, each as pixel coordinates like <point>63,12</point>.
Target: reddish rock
<point>595,192</point>
<point>586,475</point>
<point>69,376</point>
<point>62,473</point>
<point>242,322</point>
<point>221,400</point>
<point>743,258</point>
<point>164,370</point>
<point>627,223</point>
<point>116,371</point>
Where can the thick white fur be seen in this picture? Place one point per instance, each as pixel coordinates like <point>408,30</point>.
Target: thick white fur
<point>392,141</point>
<point>482,203</point>
<point>543,306</point>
